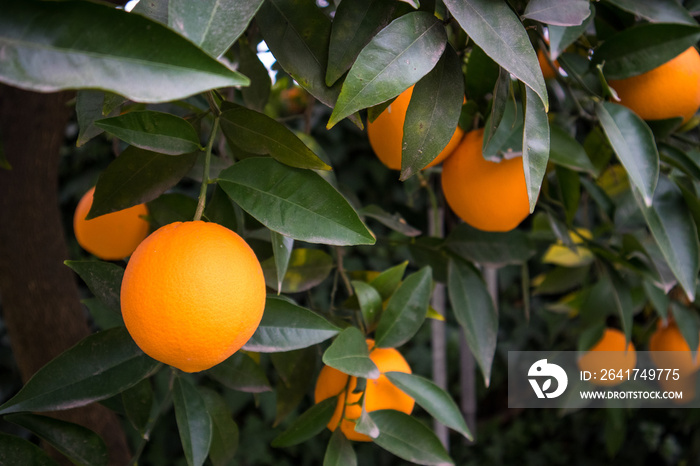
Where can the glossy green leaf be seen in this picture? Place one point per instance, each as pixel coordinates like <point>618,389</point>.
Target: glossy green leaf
<point>505,139</point>
<point>409,439</point>
<point>481,76</point>
<point>406,310</point>
<point>557,12</point>
<point>433,114</point>
<point>138,401</point>
<point>18,451</point>
<point>365,424</point>
<point>256,95</point>
<point>282,250</point>
<point>657,297</point>
<point>193,421</point>
<point>494,248</point>
<point>688,324</point>
<point>567,152</point>
<point>436,401</point>
<point>561,279</point>
<point>641,48</point>
<point>560,37</point>
<point>394,221</point>
<point>98,367</point>
<point>102,316</point>
<point>137,176</point>
<point>296,370</point>
<point>88,108</point>
<point>224,441</point>
<point>622,299</point>
<point>396,58</point>
<point>339,451</point>
<point>220,210</point>
<point>49,46</point>
<point>306,268</point>
<point>498,31</point>
<point>298,35</point>
<point>104,280</point>
<point>155,131</point>
<point>535,145</point>
<point>354,24</point>
<point>214,25</point>
<point>569,185</point>
<point>172,207</point>
<point>257,133</point>
<point>370,301</point>
<point>274,193</point>
<point>286,326</point>
<point>688,161</point>
<point>78,443</point>
<point>657,11</point>
<point>634,145</point>
<point>674,231</point>
<point>309,424</point>
<point>349,354</point>
<point>157,10</point>
<point>240,372</point>
<point>389,280</point>
<point>475,312</point>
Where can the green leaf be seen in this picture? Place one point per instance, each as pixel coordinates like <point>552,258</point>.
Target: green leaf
<point>354,24</point>
<point>634,145</point>
<point>339,451</point>
<point>224,441</point>
<point>104,280</point>
<point>512,247</point>
<point>257,133</point>
<point>349,354</point>
<point>240,372</point>
<point>406,310</point>
<point>674,231</point>
<point>49,46</point>
<point>308,425</point>
<point>137,176</point>
<point>433,399</point>
<point>433,114</point>
<point>88,108</point>
<point>157,10</point>
<point>389,280</point>
<point>481,75</point>
<point>689,161</point>
<point>98,367</point>
<point>138,401</point>
<point>557,12</point>
<point>505,139</point>
<point>495,28</point>
<point>535,145</point>
<point>220,210</point>
<point>306,269</point>
<point>657,11</point>
<point>214,25</point>
<point>370,302</point>
<point>475,312</point>
<point>560,37</point>
<point>622,298</point>
<point>155,131</point>
<point>569,191</point>
<point>641,48</point>
<point>296,371</point>
<point>274,193</point>
<point>567,152</point>
<point>408,438</point>
<point>172,207</point>
<point>365,424</point>
<point>18,451</point>
<point>286,326</point>
<point>688,324</point>
<point>657,297</point>
<point>79,444</point>
<point>257,94</point>
<point>396,58</point>
<point>298,34</point>
<point>193,421</point>
<point>282,250</point>
<point>396,222</point>
<point>103,316</point>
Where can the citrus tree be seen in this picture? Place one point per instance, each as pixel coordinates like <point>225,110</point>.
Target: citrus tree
<point>523,174</point>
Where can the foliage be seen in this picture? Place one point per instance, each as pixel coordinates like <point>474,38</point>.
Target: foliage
<point>347,249</point>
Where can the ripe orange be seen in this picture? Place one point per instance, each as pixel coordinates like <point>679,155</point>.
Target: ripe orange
<point>547,71</point>
<point>112,236</point>
<point>379,393</point>
<point>193,294</point>
<point>669,350</point>
<point>490,196</point>
<point>616,357</point>
<point>386,133</point>
<point>668,91</point>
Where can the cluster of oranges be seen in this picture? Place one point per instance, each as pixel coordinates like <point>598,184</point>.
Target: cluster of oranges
<point>492,196</point>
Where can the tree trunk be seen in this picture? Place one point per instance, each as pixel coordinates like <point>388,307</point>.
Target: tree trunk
<point>40,301</point>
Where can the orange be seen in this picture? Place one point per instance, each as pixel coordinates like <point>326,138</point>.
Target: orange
<point>193,294</point>
<point>490,196</point>
<point>609,354</point>
<point>112,236</point>
<point>379,393</point>
<point>668,91</point>
<point>386,133</point>
<point>669,350</point>
<point>547,71</point>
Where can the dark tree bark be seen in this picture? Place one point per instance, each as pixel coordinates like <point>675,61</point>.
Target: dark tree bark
<point>40,300</point>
